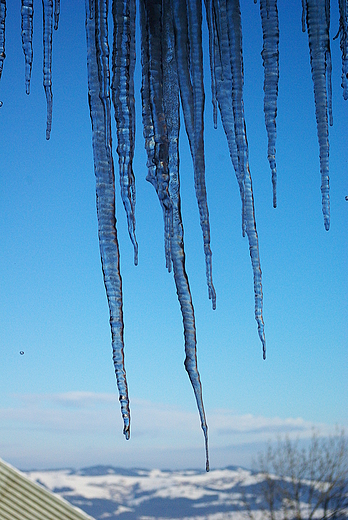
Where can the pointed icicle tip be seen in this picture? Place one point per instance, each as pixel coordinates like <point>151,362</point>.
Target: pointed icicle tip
<point>205,431</point>
<point>27,13</point>
<point>262,338</point>
<point>317,16</point>
<point>126,432</point>
<point>270,58</point>
<point>56,14</point>
<point>136,256</point>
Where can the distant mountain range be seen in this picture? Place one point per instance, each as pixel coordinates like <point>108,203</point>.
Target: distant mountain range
<point>110,493</point>
<point>232,493</point>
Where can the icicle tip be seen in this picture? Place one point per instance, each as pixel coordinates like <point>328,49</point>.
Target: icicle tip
<point>205,433</point>
<point>212,296</point>
<point>206,449</point>
<point>263,342</point>
<point>274,186</point>
<point>126,431</point>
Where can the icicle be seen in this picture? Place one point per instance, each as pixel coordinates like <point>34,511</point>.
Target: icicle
<point>303,18</point>
<point>155,132</point>
<point>234,32</point>
<point>91,8</point>
<point>47,6</point>
<point>328,65</point>
<point>229,86</point>
<point>188,31</point>
<point>123,65</point>
<point>329,86</point>
<point>223,81</point>
<point>56,13</point>
<point>270,56</point>
<point>318,20</point>
<point>172,114</point>
<point>2,34</point>
<point>343,32</point>
<point>235,38</point>
<point>99,102</point>
<point>27,13</point>
<point>210,17</point>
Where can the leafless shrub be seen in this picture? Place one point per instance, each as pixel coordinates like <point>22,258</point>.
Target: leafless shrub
<point>308,483</point>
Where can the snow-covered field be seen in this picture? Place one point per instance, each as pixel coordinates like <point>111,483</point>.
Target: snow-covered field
<point>115,493</point>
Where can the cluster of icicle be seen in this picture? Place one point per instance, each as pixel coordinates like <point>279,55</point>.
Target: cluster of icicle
<point>172,74</point>
<point>50,20</point>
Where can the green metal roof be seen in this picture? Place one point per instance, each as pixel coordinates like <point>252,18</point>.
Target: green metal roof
<point>22,499</point>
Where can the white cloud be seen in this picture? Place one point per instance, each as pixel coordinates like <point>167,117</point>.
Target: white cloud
<point>82,428</point>
<point>73,411</point>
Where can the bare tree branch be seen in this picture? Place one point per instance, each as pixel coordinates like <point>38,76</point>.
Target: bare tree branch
<point>305,484</point>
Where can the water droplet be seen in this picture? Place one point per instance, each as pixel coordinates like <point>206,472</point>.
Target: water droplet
<point>21,352</point>
<point>346,197</point>
<point>1,103</point>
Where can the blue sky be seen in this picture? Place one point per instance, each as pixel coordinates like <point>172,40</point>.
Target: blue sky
<point>58,402</point>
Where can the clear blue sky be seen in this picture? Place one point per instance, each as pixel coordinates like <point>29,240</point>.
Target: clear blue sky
<point>58,401</point>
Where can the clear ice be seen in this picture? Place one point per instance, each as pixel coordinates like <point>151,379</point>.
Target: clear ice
<point>27,13</point>
<point>316,15</point>
<point>56,13</point>
<point>270,57</point>
<point>47,60</point>
<point>343,33</point>
<point>100,111</point>
<point>123,64</point>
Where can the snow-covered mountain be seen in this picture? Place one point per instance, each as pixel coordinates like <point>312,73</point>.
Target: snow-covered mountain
<point>117,494</point>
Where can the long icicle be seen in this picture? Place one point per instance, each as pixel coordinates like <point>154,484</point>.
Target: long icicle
<point>219,45</point>
<point>47,6</point>
<point>328,65</point>
<point>318,25</point>
<point>229,87</point>
<point>123,65</point>
<point>270,57</point>
<point>99,103</point>
<point>27,14</point>
<point>172,114</point>
<point>188,31</point>
<point>235,38</point>
<point>2,34</point>
<point>343,32</point>
<point>156,142</point>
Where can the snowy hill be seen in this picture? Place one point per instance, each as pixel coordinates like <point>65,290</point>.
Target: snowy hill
<point>115,493</point>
